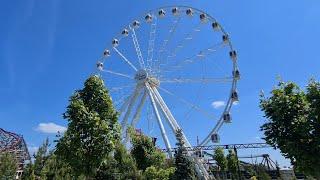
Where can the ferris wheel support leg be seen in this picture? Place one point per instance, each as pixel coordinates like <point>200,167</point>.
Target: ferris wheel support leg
<point>169,115</point>
<point>200,168</point>
<point>129,109</point>
<point>163,131</point>
<point>137,113</point>
<point>139,108</point>
<point>173,127</point>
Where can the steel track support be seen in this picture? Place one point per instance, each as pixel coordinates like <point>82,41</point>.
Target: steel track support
<point>163,131</point>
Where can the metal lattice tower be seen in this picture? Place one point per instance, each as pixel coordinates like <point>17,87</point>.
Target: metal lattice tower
<point>15,144</point>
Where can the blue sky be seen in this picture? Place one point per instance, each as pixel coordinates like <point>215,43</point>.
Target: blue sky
<point>48,49</point>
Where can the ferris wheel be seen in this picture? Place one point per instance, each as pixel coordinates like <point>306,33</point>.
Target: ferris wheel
<point>172,68</point>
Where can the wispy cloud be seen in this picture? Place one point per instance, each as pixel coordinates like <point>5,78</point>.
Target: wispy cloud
<point>50,128</point>
<point>218,104</point>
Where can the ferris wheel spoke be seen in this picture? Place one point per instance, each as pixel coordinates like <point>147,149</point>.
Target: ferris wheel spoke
<point>187,37</point>
<point>193,106</point>
<point>121,101</point>
<point>198,80</point>
<point>152,38</point>
<point>116,73</point>
<point>125,59</point>
<point>202,54</point>
<point>137,47</point>
<point>166,41</point>
<point>115,89</point>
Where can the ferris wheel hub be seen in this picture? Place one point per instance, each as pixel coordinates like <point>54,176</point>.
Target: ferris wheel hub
<point>142,76</point>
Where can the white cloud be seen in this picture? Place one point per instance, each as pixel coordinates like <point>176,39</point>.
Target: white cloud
<point>50,128</point>
<point>218,104</point>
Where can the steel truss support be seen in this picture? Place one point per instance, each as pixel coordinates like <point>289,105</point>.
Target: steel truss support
<point>227,146</point>
<point>155,109</point>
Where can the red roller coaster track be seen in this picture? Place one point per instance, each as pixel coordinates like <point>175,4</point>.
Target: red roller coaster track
<point>15,144</point>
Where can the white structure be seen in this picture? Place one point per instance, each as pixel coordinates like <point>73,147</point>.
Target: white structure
<point>146,59</point>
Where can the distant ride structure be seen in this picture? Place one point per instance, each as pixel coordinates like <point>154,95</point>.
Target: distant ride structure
<point>175,64</point>
<point>15,144</point>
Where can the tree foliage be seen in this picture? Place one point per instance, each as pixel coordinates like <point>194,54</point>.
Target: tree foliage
<point>184,166</point>
<point>220,158</point>
<point>8,166</point>
<point>144,151</point>
<point>55,169</point>
<point>158,173</point>
<point>92,131</point>
<point>40,158</point>
<point>294,124</point>
<point>119,166</point>
<point>232,163</point>
<point>221,161</point>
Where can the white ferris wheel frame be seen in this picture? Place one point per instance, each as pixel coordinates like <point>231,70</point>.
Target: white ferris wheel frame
<point>147,86</point>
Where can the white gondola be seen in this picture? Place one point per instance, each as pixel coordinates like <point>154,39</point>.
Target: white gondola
<point>115,42</point>
<point>233,55</point>
<point>215,138</point>
<point>148,18</point>
<point>136,24</point>
<point>236,74</point>
<point>216,26</point>
<point>106,53</point>
<point>125,32</point>
<point>175,11</point>
<point>234,96</point>
<point>225,39</point>
<point>161,13</point>
<point>189,12</point>
<point>100,66</point>
<point>227,118</point>
<point>203,17</point>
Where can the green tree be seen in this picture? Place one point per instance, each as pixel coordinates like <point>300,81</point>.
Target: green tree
<point>55,169</point>
<point>92,131</point>
<point>8,166</point>
<point>40,158</point>
<point>293,124</point>
<point>153,173</point>
<point>220,159</point>
<point>232,163</point>
<point>28,172</point>
<point>144,152</point>
<point>184,166</point>
<point>262,173</point>
<point>121,165</point>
